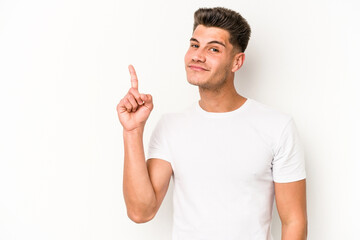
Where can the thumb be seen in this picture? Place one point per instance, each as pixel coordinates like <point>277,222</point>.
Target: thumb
<point>146,98</point>
<point>143,97</point>
<point>148,103</point>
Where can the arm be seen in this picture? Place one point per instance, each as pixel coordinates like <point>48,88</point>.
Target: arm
<point>133,112</point>
<point>138,191</point>
<point>145,183</point>
<point>291,204</point>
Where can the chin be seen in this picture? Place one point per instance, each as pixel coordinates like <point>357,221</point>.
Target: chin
<point>194,80</point>
<point>195,84</point>
<point>198,83</point>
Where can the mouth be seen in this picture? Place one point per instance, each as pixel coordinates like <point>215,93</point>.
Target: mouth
<point>197,68</point>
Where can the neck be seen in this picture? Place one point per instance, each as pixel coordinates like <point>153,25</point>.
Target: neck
<point>225,99</point>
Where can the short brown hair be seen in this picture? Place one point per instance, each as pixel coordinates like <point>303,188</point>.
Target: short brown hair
<point>226,19</point>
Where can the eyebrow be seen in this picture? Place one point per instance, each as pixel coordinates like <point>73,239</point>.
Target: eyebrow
<point>214,41</point>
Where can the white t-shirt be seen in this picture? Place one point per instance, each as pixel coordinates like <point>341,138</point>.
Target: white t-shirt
<point>225,165</point>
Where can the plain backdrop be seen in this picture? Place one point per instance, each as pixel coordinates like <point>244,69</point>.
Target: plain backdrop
<point>63,70</point>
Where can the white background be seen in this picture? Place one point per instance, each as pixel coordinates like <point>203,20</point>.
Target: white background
<point>63,69</point>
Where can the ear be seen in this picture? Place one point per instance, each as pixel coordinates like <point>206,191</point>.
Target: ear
<point>239,59</point>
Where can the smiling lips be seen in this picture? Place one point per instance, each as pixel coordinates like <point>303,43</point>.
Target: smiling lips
<point>197,68</point>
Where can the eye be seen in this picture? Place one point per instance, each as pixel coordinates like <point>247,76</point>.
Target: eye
<point>194,45</point>
<point>214,50</point>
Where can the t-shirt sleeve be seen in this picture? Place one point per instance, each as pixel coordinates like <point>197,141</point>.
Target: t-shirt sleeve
<point>158,145</point>
<point>288,164</point>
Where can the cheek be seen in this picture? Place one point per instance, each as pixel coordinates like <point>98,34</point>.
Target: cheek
<point>220,63</point>
<point>187,56</point>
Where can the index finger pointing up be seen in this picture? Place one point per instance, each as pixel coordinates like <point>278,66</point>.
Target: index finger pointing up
<point>134,80</point>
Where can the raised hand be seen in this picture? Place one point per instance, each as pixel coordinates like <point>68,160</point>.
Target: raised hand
<point>134,109</point>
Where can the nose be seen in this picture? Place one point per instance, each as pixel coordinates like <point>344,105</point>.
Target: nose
<point>198,56</point>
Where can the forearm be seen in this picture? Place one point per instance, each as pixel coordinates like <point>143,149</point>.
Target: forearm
<point>294,231</point>
<point>138,191</point>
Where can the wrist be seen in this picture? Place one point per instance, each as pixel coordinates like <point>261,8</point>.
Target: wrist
<point>135,131</point>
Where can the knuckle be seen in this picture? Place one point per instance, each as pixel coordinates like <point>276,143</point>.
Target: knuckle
<point>126,103</point>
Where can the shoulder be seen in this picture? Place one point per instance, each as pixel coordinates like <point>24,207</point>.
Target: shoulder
<point>270,123</point>
<point>266,115</point>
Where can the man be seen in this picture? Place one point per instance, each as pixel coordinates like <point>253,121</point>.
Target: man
<point>228,155</point>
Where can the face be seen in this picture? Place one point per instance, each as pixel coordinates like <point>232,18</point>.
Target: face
<point>210,59</point>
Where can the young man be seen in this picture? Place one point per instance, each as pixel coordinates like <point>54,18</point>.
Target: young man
<point>228,155</point>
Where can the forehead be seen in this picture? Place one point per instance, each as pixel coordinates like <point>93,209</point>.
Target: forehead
<point>211,33</point>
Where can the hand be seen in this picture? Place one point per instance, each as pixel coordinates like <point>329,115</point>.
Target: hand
<point>134,109</point>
